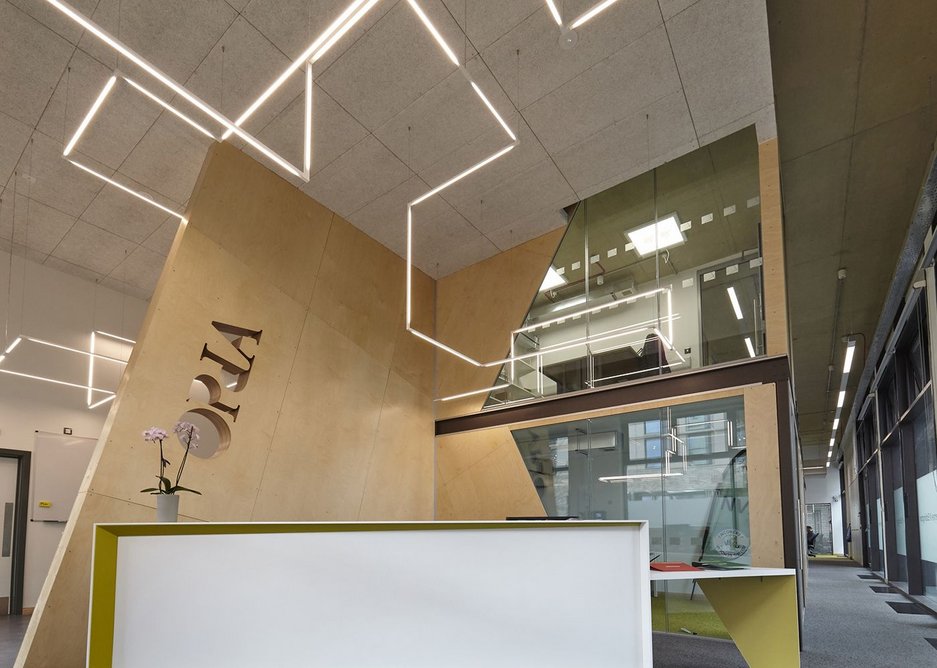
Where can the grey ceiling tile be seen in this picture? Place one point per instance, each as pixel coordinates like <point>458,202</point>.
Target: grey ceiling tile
<point>536,225</point>
<point>118,126</point>
<point>385,218</point>
<point>93,248</point>
<point>75,93</point>
<point>19,250</point>
<point>763,120</point>
<point>670,8</point>
<point>239,67</point>
<point>334,131</point>
<point>54,181</point>
<point>363,173</point>
<point>392,65</point>
<point>126,288</point>
<point>126,216</point>
<point>160,241</point>
<point>630,146</point>
<point>467,192</point>
<point>173,35</point>
<point>539,188</point>
<point>32,58</point>
<point>545,65</point>
<point>615,88</point>
<point>38,227</point>
<point>487,20</point>
<point>140,270</point>
<point>55,20</point>
<point>468,251</point>
<point>168,159</point>
<point>294,25</point>
<point>73,269</point>
<point>721,49</point>
<point>13,138</point>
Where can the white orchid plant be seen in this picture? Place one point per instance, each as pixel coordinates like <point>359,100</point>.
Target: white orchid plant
<point>188,436</point>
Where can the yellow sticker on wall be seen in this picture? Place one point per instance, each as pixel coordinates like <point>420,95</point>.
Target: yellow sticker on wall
<point>45,504</point>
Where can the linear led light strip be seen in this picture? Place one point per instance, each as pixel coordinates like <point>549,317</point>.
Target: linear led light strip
<point>180,90</point>
<point>91,355</point>
<point>91,358</point>
<point>87,121</point>
<point>587,311</point>
<point>841,398</point>
<point>585,16</point>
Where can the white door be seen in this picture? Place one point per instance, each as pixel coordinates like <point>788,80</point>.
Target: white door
<point>8,469</point>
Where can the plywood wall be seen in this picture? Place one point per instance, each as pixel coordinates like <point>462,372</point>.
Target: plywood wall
<point>772,240</point>
<point>480,475</point>
<point>336,415</point>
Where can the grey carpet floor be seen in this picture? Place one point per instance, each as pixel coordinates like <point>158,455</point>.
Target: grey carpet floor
<point>846,625</point>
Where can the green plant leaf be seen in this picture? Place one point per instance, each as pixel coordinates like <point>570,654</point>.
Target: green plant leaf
<point>150,490</point>
<point>180,488</point>
<point>166,484</point>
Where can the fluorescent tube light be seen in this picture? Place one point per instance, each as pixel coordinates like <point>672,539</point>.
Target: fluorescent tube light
<point>129,191</point>
<point>751,348</point>
<point>304,56</point>
<point>552,280</point>
<point>74,350</point>
<point>443,346</point>
<point>850,351</point>
<point>493,111</point>
<point>91,112</point>
<point>432,31</point>
<point>13,345</point>
<point>2,357</point>
<point>636,476</point>
<point>735,303</point>
<point>114,336</point>
<point>657,236</point>
<point>103,401</point>
<point>153,71</point>
<point>555,12</point>
<point>459,177</point>
<point>90,398</point>
<point>835,424</point>
<point>474,392</point>
<point>168,107</point>
<point>562,306</point>
<point>345,28</point>
<point>827,465</point>
<point>842,399</point>
<point>307,122</point>
<point>832,442</point>
<point>52,380</point>
<point>599,8</point>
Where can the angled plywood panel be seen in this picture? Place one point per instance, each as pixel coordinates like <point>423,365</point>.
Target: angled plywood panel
<point>335,418</point>
<point>480,475</point>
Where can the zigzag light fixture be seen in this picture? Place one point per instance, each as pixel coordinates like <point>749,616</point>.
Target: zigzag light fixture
<point>346,20</point>
<point>92,355</point>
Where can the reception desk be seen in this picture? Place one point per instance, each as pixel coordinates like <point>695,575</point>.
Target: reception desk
<point>387,594</point>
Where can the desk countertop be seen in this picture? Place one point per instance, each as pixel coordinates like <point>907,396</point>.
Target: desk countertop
<point>706,574</point>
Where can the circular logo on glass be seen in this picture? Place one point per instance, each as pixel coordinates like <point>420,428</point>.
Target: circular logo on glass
<point>731,543</point>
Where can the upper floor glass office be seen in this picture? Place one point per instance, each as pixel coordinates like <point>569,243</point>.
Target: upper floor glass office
<point>659,274</point>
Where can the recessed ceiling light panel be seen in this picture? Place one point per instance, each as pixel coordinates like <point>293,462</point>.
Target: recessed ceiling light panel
<point>650,238</point>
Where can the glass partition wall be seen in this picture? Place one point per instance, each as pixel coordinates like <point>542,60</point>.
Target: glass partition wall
<point>682,468</point>
<point>659,274</point>
<point>897,464</point>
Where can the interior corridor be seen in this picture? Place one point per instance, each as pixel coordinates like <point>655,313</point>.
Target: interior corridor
<point>847,623</point>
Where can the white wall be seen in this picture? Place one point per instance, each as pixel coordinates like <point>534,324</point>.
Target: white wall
<point>825,489</point>
<point>62,309</point>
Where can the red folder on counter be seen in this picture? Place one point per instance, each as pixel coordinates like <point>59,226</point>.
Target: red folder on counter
<point>668,566</point>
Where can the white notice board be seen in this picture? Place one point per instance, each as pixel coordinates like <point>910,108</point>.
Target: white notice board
<point>399,594</point>
<point>59,464</point>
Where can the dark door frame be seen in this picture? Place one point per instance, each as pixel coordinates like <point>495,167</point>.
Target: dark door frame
<point>20,519</point>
